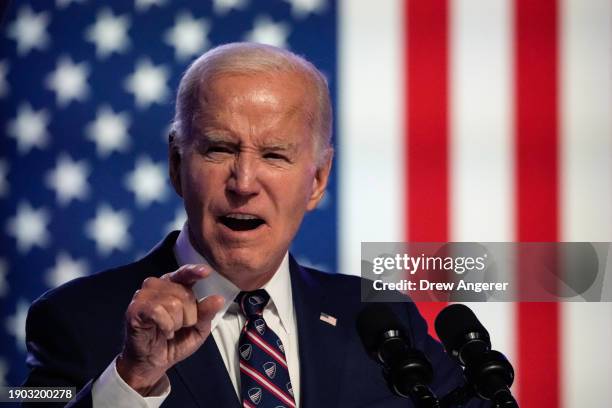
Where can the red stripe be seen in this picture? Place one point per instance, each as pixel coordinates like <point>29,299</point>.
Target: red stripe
<point>263,381</point>
<point>537,206</point>
<point>265,346</point>
<point>427,127</point>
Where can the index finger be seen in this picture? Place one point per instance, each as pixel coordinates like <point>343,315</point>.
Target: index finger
<point>189,274</point>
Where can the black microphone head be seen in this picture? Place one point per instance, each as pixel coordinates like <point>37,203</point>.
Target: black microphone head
<point>374,320</point>
<point>455,322</point>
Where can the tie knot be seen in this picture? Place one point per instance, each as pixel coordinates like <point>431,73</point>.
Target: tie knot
<point>252,303</point>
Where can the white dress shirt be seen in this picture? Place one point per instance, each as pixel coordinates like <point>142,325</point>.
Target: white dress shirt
<point>109,390</point>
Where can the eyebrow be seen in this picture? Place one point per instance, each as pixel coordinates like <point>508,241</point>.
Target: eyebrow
<point>216,137</point>
<point>280,146</point>
<point>225,138</point>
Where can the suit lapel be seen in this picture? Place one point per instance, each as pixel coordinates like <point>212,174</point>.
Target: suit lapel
<point>204,374</point>
<point>321,345</point>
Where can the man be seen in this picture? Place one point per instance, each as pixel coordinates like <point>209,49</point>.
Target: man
<point>189,325</point>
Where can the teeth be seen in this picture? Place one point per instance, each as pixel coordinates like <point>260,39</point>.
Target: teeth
<point>242,216</point>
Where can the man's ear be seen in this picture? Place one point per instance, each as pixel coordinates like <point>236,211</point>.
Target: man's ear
<point>174,163</point>
<point>319,183</point>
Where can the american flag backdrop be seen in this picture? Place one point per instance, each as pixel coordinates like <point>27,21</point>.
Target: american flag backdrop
<point>459,120</point>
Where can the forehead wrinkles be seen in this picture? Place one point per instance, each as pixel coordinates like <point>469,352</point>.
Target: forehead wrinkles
<point>216,103</point>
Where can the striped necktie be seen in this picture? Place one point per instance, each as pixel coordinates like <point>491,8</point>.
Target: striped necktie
<point>264,377</point>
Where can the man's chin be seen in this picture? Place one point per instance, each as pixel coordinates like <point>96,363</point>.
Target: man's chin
<point>247,266</point>
<point>245,276</point>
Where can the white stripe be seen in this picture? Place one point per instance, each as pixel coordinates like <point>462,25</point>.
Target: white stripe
<point>370,136</point>
<point>481,143</point>
<point>265,346</point>
<point>270,386</point>
<point>586,181</point>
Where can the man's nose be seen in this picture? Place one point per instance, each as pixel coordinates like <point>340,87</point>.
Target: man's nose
<point>244,179</point>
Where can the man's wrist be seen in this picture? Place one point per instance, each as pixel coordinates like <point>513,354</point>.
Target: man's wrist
<point>140,379</point>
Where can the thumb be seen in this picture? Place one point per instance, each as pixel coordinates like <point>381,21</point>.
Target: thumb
<point>207,309</point>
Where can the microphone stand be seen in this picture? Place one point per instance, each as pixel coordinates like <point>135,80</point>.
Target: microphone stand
<point>462,394</point>
<point>420,394</point>
<point>458,397</point>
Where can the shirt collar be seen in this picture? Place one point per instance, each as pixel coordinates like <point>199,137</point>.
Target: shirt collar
<point>279,287</point>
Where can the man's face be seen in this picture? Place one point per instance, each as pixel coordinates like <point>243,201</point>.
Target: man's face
<point>248,173</point>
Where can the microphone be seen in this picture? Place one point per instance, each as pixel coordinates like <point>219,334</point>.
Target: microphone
<point>465,338</point>
<point>406,369</point>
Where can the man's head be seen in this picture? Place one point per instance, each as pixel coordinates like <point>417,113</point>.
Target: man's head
<point>250,154</point>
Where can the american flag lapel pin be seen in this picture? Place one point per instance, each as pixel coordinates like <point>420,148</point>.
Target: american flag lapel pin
<point>331,320</point>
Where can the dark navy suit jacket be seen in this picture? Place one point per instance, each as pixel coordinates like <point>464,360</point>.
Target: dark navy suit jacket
<point>76,330</point>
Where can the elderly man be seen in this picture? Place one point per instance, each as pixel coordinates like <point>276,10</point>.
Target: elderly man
<point>220,315</point>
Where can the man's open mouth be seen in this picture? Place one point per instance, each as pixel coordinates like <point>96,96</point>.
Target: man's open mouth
<point>241,222</point>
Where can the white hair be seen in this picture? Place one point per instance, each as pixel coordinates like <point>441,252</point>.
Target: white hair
<point>250,59</point>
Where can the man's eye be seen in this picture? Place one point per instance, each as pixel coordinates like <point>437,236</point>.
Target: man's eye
<point>275,156</point>
<point>218,149</point>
